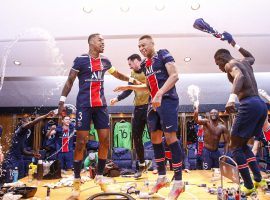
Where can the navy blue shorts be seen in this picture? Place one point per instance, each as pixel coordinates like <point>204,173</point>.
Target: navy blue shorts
<point>166,116</point>
<point>210,159</point>
<point>66,159</point>
<point>85,115</point>
<point>250,117</point>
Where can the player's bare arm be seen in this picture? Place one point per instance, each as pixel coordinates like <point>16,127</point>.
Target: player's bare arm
<point>238,81</point>
<point>67,87</point>
<point>123,77</point>
<point>38,119</point>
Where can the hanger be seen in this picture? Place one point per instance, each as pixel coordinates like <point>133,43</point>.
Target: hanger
<point>122,121</point>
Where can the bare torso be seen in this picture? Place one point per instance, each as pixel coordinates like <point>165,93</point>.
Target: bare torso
<point>212,134</point>
<point>249,87</point>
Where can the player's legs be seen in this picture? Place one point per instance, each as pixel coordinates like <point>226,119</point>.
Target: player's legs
<point>215,158</point>
<point>138,124</point>
<point>102,124</point>
<point>237,145</point>
<point>69,160</point>
<point>83,118</point>
<point>207,161</point>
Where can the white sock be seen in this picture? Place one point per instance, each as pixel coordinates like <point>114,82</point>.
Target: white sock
<point>178,182</point>
<point>99,176</point>
<point>161,176</point>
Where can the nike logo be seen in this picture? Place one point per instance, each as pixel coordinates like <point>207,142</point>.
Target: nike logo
<point>167,127</point>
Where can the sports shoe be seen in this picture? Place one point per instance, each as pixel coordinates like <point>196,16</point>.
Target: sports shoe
<point>262,184</point>
<point>103,182</point>
<point>75,190</point>
<point>176,190</point>
<point>161,182</point>
<point>143,169</point>
<point>247,191</point>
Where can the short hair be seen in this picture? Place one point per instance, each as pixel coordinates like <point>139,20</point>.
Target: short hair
<point>146,37</point>
<point>92,36</point>
<point>222,51</point>
<point>214,110</point>
<point>134,56</point>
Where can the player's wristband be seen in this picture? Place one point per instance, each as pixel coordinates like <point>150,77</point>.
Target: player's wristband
<point>63,99</point>
<point>232,98</point>
<point>131,80</point>
<point>237,46</point>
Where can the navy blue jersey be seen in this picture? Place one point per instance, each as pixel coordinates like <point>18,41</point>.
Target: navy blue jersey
<point>157,74</point>
<point>17,143</point>
<point>64,139</point>
<point>91,80</point>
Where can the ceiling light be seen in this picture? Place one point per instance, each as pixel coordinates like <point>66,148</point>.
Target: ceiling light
<point>16,62</point>
<point>87,9</point>
<point>187,59</point>
<point>124,8</point>
<point>160,6</point>
<point>195,5</point>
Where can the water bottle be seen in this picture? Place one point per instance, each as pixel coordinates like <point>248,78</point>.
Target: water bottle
<point>230,196</point>
<point>40,170</point>
<point>15,174</point>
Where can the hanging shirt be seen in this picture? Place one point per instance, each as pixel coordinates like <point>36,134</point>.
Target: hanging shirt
<point>91,80</point>
<point>122,135</point>
<point>200,141</point>
<point>93,132</point>
<point>146,136</point>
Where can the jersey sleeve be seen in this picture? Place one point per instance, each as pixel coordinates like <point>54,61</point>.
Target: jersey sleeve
<point>106,63</point>
<point>259,137</point>
<point>76,65</point>
<point>165,56</point>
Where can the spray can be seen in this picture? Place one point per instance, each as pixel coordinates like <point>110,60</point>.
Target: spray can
<point>15,174</point>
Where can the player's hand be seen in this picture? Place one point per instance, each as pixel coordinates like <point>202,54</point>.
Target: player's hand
<point>196,105</point>
<point>156,101</point>
<point>121,88</point>
<point>36,155</point>
<point>61,108</point>
<point>113,101</point>
<point>230,107</point>
<point>227,37</point>
<point>136,82</point>
<point>50,114</point>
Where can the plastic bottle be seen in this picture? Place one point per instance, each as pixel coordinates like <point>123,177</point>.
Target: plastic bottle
<point>230,196</point>
<point>15,174</point>
<point>31,171</point>
<point>40,170</point>
<point>48,193</point>
<point>243,196</point>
